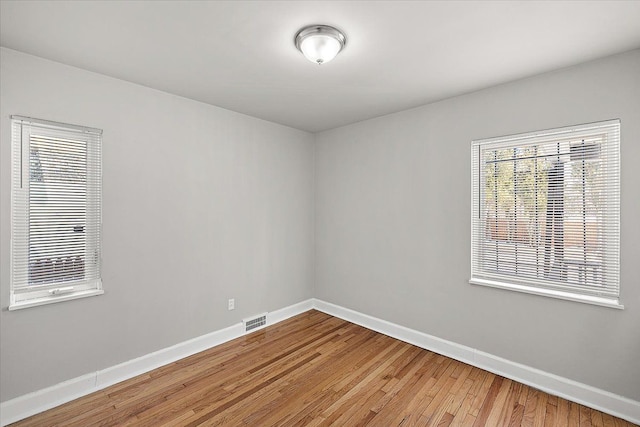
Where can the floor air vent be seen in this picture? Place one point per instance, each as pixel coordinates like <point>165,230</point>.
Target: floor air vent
<point>255,322</point>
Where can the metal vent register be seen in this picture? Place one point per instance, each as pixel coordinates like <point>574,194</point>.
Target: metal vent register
<point>255,322</point>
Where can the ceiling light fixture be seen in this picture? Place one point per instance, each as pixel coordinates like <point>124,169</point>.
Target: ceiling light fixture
<point>320,43</point>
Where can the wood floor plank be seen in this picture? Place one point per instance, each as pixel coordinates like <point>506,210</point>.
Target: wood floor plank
<point>488,403</point>
<point>596,419</point>
<point>318,387</point>
<point>463,410</point>
<point>499,410</point>
<point>392,410</point>
<point>585,416</point>
<point>550,415</point>
<point>318,370</point>
<point>574,415</point>
<point>608,420</point>
<point>530,407</point>
<point>419,386</point>
<point>541,410</point>
<point>350,397</point>
<point>562,420</point>
<point>516,415</point>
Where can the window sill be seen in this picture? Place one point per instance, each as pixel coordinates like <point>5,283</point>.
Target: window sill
<point>587,299</point>
<point>53,299</point>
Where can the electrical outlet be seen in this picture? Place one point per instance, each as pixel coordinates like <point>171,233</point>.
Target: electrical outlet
<point>232,304</point>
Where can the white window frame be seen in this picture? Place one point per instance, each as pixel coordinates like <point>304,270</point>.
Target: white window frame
<point>24,291</point>
<point>482,275</point>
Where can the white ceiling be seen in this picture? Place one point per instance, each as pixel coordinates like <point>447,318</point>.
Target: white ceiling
<point>240,55</point>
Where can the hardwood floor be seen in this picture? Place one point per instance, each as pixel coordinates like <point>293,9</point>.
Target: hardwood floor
<point>317,370</point>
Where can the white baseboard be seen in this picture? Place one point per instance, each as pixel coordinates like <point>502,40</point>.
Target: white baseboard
<point>33,403</point>
<point>592,397</point>
<point>30,404</point>
<point>290,311</point>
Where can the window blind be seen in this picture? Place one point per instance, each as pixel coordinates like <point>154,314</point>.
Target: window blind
<point>56,209</point>
<point>546,211</point>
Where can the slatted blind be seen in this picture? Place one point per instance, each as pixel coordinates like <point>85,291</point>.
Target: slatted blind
<point>546,211</point>
<point>56,209</point>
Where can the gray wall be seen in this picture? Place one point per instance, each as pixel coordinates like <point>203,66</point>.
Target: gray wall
<point>200,205</point>
<point>393,224</point>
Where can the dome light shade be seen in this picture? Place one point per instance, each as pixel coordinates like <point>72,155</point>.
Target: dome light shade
<point>320,43</point>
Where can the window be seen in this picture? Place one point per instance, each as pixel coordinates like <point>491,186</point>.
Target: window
<point>55,212</point>
<point>546,213</point>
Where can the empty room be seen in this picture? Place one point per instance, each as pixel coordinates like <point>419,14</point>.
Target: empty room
<point>319,213</point>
